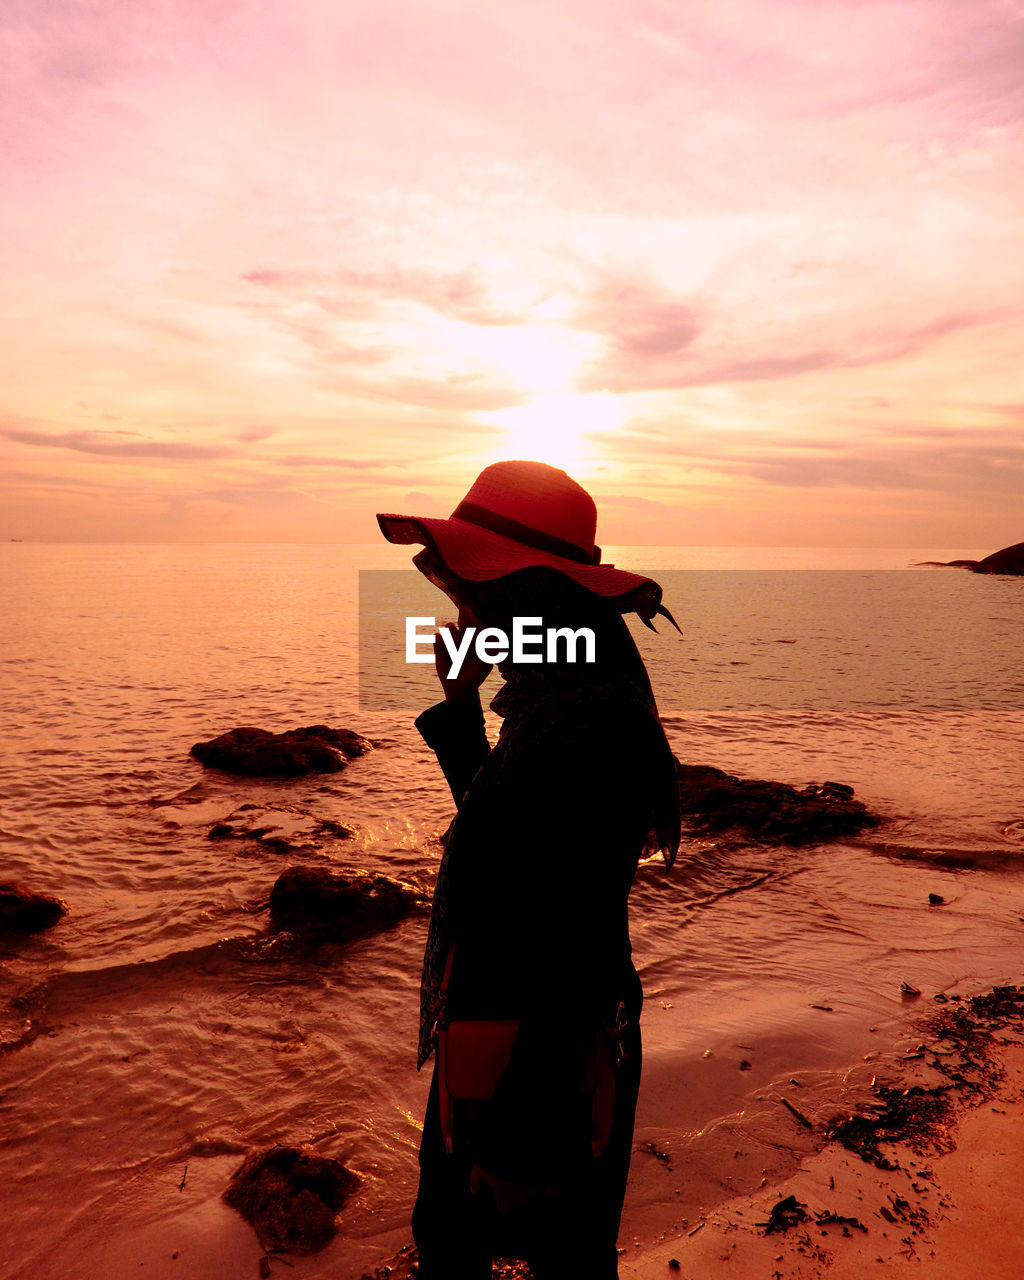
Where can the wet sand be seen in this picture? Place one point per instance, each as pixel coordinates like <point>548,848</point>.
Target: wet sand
<point>931,1190</point>
<point>945,1216</point>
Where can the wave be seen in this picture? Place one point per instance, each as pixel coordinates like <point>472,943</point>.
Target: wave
<point>72,991</point>
<point>957,859</point>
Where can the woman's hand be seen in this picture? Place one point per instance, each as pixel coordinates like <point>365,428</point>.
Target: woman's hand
<point>472,673</point>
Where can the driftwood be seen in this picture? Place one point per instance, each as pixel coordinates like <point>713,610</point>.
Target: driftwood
<point>789,1212</point>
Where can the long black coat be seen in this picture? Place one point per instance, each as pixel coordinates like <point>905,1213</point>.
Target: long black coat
<point>541,856</point>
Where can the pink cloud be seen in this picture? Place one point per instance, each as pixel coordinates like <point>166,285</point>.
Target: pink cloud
<point>97,443</point>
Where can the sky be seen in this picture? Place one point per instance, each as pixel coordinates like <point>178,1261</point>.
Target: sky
<point>750,270</point>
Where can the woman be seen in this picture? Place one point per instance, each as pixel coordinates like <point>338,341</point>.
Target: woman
<point>529,933</point>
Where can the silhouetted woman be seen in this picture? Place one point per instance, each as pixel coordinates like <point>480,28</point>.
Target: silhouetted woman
<point>529,991</point>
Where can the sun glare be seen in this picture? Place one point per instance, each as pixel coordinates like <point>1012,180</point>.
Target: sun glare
<point>540,360</point>
<point>538,357</point>
<point>555,428</point>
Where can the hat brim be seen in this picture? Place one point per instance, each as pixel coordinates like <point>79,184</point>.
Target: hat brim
<point>478,555</point>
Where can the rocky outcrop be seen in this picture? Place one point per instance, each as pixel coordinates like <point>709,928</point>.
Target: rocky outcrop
<point>258,753</point>
<point>318,905</point>
<point>770,812</point>
<point>24,911</point>
<point>1009,560</point>
<point>280,829</point>
<point>291,1196</point>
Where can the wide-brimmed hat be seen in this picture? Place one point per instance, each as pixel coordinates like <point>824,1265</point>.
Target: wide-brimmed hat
<point>519,514</point>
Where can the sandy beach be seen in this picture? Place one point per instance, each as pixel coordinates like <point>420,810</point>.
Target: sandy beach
<point>934,1199</point>
<point>919,1176</point>
<point>945,1216</point>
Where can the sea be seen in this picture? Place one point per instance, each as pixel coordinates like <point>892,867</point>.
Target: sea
<point>159,1032</point>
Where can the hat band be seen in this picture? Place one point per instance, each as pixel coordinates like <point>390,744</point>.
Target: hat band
<point>536,538</point>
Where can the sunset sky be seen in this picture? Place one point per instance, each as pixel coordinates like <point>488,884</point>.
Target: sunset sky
<point>751,271</point>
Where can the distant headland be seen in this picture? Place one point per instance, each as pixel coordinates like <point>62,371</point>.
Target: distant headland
<point>1009,560</point>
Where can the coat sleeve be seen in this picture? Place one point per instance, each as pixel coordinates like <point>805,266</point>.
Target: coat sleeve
<point>455,732</point>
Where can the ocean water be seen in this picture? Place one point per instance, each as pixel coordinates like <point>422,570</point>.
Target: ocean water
<point>157,1028</point>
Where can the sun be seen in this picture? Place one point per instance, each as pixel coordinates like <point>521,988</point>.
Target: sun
<point>554,428</point>
<point>541,360</point>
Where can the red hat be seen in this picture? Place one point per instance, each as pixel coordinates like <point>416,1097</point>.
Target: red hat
<point>519,514</point>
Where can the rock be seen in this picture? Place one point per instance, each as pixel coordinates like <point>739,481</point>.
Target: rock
<point>258,753</point>
<point>280,828</point>
<point>1009,560</point>
<point>24,911</point>
<point>318,905</point>
<point>291,1196</point>
<point>771,812</point>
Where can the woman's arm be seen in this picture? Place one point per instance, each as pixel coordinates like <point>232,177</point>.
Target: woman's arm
<point>455,732</point>
<point>454,728</point>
